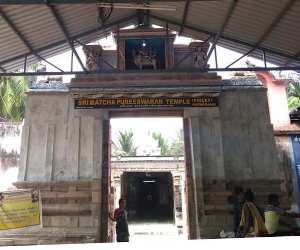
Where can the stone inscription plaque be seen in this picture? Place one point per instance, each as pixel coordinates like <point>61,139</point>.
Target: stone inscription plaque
<point>145,102</point>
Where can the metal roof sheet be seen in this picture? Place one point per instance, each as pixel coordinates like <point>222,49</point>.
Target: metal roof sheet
<point>247,24</point>
<point>208,15</point>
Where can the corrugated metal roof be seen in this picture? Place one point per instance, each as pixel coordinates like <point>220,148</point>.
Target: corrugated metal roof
<point>208,15</point>
<point>285,37</point>
<point>252,18</point>
<point>36,24</point>
<point>248,22</point>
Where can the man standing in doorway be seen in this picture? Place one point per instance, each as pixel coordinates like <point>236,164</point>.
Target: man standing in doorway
<point>120,216</point>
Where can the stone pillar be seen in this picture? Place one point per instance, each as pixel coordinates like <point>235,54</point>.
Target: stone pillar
<point>177,201</point>
<point>207,165</point>
<point>105,181</point>
<point>191,208</point>
<point>117,184</point>
<point>183,205</point>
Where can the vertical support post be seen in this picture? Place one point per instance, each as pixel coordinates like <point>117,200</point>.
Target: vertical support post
<point>190,198</point>
<point>72,60</point>
<point>25,64</point>
<point>264,58</point>
<point>105,183</point>
<point>148,18</point>
<point>118,46</point>
<point>216,57</point>
<point>167,61</point>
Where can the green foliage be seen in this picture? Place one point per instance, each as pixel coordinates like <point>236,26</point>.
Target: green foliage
<point>124,145</point>
<point>162,143</point>
<point>12,97</point>
<point>293,103</point>
<point>175,148</point>
<point>177,145</point>
<point>293,92</point>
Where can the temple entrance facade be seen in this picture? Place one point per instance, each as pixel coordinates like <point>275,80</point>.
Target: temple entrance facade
<point>228,140</point>
<point>154,188</point>
<point>66,155</point>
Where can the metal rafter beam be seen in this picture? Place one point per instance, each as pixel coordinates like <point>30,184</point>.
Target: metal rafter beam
<point>223,26</point>
<point>268,31</point>
<point>185,12</point>
<point>57,2</point>
<point>15,29</point>
<point>201,30</point>
<point>115,71</point>
<point>59,43</point>
<point>23,39</point>
<point>289,61</point>
<point>61,25</point>
<point>2,69</point>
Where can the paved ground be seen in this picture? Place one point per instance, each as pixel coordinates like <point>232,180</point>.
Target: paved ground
<point>148,231</point>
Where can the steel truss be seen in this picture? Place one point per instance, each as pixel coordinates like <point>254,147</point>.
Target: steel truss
<point>213,38</point>
<point>57,2</point>
<point>115,71</point>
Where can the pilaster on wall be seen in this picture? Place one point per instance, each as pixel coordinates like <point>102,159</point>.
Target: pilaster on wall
<point>61,155</point>
<point>86,137</point>
<point>207,166</point>
<point>58,142</point>
<point>73,149</point>
<point>289,184</point>
<point>178,203</point>
<point>197,171</point>
<point>49,152</point>
<point>24,153</point>
<point>189,182</point>
<point>105,182</point>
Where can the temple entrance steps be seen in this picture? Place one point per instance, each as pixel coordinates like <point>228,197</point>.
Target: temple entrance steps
<point>42,236</point>
<point>148,231</point>
<point>139,231</point>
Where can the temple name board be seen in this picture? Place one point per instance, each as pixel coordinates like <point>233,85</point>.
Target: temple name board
<point>145,102</point>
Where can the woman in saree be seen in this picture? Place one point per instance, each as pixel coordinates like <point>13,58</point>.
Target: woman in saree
<point>252,223</point>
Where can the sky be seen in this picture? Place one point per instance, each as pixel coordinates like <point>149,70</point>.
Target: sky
<point>143,129</point>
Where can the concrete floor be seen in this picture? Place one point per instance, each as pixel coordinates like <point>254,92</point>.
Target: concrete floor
<point>149,231</point>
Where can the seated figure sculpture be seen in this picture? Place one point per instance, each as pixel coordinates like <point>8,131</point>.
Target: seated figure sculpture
<point>93,56</point>
<point>199,50</point>
<point>144,57</point>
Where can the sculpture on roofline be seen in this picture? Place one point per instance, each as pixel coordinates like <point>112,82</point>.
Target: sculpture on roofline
<point>199,50</point>
<point>144,57</point>
<point>93,55</point>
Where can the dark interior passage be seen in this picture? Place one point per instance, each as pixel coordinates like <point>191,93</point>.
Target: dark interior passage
<point>149,196</point>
